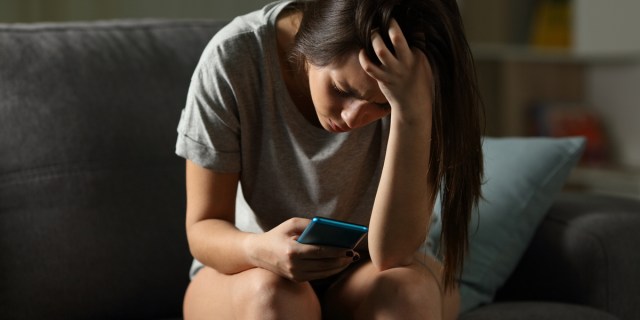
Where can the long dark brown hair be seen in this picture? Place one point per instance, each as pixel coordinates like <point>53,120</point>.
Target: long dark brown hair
<point>331,30</point>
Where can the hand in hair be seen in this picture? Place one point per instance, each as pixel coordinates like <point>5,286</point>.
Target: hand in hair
<point>406,78</point>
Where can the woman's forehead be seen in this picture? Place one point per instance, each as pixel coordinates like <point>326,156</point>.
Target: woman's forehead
<point>350,76</point>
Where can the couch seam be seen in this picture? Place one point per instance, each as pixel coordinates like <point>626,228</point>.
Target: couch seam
<point>82,26</point>
<point>53,171</point>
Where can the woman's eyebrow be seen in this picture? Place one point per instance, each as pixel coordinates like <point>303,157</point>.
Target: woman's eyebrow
<point>357,94</point>
<point>344,86</point>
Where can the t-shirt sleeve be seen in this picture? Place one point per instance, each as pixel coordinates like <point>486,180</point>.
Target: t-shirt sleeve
<point>209,127</point>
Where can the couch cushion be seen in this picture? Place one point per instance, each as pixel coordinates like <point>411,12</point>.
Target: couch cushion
<point>536,311</point>
<point>91,194</point>
<point>522,177</point>
<point>583,236</point>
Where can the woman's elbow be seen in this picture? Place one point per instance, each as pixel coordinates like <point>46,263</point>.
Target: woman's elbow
<point>390,260</point>
<point>387,254</point>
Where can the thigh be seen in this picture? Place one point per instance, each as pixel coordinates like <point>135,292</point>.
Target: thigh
<point>246,295</point>
<point>413,291</point>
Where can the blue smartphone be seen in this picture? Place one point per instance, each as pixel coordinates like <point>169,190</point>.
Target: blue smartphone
<point>330,232</point>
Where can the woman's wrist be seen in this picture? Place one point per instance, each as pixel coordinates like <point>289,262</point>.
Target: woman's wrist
<point>251,249</point>
<point>418,116</point>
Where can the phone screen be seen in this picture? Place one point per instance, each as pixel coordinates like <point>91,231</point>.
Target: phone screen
<point>335,233</point>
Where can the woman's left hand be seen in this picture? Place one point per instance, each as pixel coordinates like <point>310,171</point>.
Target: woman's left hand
<point>406,78</point>
<point>402,207</point>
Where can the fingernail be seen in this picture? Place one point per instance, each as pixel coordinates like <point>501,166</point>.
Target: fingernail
<point>349,253</point>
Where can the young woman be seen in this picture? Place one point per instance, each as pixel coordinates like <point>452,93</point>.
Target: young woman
<point>358,110</point>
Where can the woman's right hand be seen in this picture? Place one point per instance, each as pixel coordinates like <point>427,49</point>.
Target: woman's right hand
<point>278,251</point>
<point>405,78</point>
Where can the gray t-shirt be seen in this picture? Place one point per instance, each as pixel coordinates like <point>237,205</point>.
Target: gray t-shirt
<point>239,117</point>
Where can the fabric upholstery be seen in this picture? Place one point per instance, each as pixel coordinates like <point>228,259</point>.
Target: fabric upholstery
<point>583,253</point>
<point>536,311</point>
<point>91,194</point>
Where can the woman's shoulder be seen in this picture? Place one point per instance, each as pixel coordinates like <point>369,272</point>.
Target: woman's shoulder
<point>248,43</point>
<point>254,27</point>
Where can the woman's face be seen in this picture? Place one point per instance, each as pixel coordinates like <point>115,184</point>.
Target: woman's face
<point>344,96</point>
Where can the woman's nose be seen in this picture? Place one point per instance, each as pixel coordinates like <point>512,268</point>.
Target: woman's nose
<point>357,114</point>
<point>361,113</point>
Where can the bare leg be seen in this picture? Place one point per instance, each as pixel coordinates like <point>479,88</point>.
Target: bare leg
<point>252,294</point>
<point>411,292</point>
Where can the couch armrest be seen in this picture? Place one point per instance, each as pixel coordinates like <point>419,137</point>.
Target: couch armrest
<point>586,251</point>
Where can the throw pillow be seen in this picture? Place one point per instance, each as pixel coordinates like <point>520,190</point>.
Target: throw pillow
<point>522,177</point>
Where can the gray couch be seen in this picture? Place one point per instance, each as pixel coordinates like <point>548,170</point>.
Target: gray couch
<point>92,196</point>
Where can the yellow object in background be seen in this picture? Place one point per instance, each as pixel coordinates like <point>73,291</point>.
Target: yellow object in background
<point>552,24</point>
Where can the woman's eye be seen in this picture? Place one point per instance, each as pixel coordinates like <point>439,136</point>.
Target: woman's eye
<point>339,91</point>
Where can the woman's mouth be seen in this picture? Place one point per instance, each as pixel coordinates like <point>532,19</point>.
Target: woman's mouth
<point>336,128</point>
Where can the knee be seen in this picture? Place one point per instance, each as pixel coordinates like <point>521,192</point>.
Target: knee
<point>398,289</point>
<point>406,288</point>
<point>270,296</point>
<point>263,285</point>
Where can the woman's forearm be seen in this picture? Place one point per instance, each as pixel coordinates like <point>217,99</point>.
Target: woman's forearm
<point>403,205</point>
<point>213,239</point>
<point>220,245</point>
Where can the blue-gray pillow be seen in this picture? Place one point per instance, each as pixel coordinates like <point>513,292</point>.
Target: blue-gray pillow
<point>522,177</point>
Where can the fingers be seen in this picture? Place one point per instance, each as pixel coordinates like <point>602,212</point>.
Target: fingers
<point>307,262</point>
<point>319,265</point>
<point>307,251</point>
<point>303,262</point>
<point>381,50</point>
<point>371,68</point>
<point>389,61</point>
<point>400,51</point>
<point>318,258</point>
<point>314,275</point>
<point>400,44</point>
<point>295,226</point>
<point>305,270</point>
